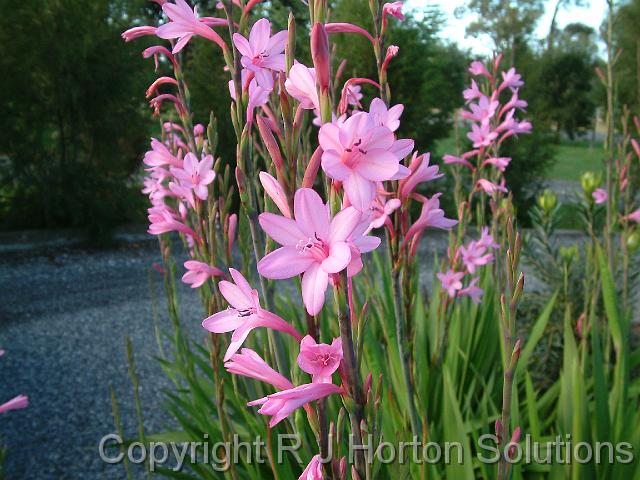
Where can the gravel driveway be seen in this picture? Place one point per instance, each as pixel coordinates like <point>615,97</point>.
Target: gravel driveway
<point>64,315</point>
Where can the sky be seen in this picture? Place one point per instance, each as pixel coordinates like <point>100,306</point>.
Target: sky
<point>454,29</point>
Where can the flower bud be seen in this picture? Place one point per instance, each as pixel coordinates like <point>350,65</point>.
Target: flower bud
<point>547,201</point>
<point>320,55</point>
<point>633,241</point>
<point>590,181</point>
<point>569,254</point>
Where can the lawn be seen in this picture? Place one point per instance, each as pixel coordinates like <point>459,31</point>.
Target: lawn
<point>575,158</point>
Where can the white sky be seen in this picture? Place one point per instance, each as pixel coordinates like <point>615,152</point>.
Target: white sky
<point>454,29</point>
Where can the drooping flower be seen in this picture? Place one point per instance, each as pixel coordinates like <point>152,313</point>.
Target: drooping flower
<point>474,255</point>
<point>244,314</point>
<point>21,401</point>
<point>312,244</point>
<point>137,32</point>
<point>380,210</point>
<point>501,163</point>
<point>258,93</point>
<point>195,175</point>
<point>199,272</point>
<point>361,242</point>
<point>319,359</point>
<point>313,471</point>
<point>489,187</point>
<point>262,53</point>
<point>301,85</point>
<point>282,404</point>
<point>394,9</point>
<point>600,196</point>
<point>249,364</point>
<point>483,111</point>
<point>451,281</point>
<point>430,216</point>
<point>478,68</point>
<point>481,135</point>
<point>359,154</point>
<point>184,24</point>
<point>421,172</point>
<point>453,160</point>
<point>634,216</point>
<point>511,79</point>
<point>472,93</point>
<point>163,220</point>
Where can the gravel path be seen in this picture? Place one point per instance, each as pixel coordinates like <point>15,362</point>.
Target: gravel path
<point>64,315</point>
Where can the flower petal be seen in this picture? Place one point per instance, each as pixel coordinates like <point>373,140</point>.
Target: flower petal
<point>311,213</point>
<point>338,259</point>
<point>360,191</point>
<point>314,286</point>
<point>285,262</point>
<point>283,230</point>
<point>234,295</point>
<point>223,321</point>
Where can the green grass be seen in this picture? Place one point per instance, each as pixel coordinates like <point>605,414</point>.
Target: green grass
<point>575,158</point>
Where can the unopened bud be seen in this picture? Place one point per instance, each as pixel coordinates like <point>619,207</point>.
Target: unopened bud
<point>290,47</point>
<point>633,241</point>
<point>320,55</point>
<point>516,350</point>
<point>515,439</point>
<point>547,201</point>
<point>589,181</point>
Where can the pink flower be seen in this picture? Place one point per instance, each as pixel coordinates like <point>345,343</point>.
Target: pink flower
<point>452,159</point>
<point>258,92</point>
<point>481,135</point>
<point>359,154</point>
<point>634,216</point>
<point>501,163</point>
<point>301,85</point>
<point>486,239</point>
<point>311,244</point>
<point>137,32</point>
<point>282,404</point>
<point>385,117</point>
<point>489,187</point>
<point>313,471</point>
<point>421,172</point>
<point>275,191</point>
<point>430,216</point>
<point>381,209</point>
<point>472,93</point>
<point>184,24</point>
<point>392,52</point>
<point>482,111</point>
<point>320,359</point>
<point>474,255</point>
<point>249,364</point>
<point>199,272</point>
<point>195,175</point>
<point>321,56</point>
<point>472,291</point>
<point>360,242</point>
<point>394,9</point>
<point>262,53</point>
<point>243,315</point>
<point>163,220</point>
<point>478,68</point>
<point>348,28</point>
<point>21,401</point>
<point>600,196</point>
<point>353,94</point>
<point>159,155</point>
<point>451,281</point>
<point>511,79</point>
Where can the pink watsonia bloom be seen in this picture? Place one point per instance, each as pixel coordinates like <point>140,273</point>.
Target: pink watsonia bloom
<point>153,88</point>
<point>258,93</point>
<point>249,364</point>
<point>183,193</point>
<point>137,32</point>
<point>475,255</point>
<point>359,154</point>
<point>489,187</point>
<point>430,216</point>
<point>600,196</point>
<point>481,135</point>
<point>232,226</point>
<point>451,281</point>
<point>472,93</point>
<point>195,175</point>
<point>313,471</point>
<point>312,245</point>
<point>392,52</point>
<point>282,404</point>
<point>21,401</point>
<point>353,94</point>
<point>184,24</point>
<point>275,191</point>
<point>421,172</point>
<point>157,102</point>
<point>486,239</point>
<point>301,85</point>
<point>348,28</point>
<point>501,163</point>
<point>380,210</point>
<point>482,111</point>
<point>156,51</point>
<point>472,291</point>
<point>385,117</point>
<point>478,68</point>
<point>163,220</point>
<point>634,216</point>
<point>394,9</point>
<point>159,156</point>
<point>511,79</point>
<point>244,314</point>
<point>514,102</point>
<point>262,53</point>
<point>319,359</point>
<point>199,272</point>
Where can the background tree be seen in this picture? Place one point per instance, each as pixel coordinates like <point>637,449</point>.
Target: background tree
<point>74,123</point>
<point>627,40</point>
